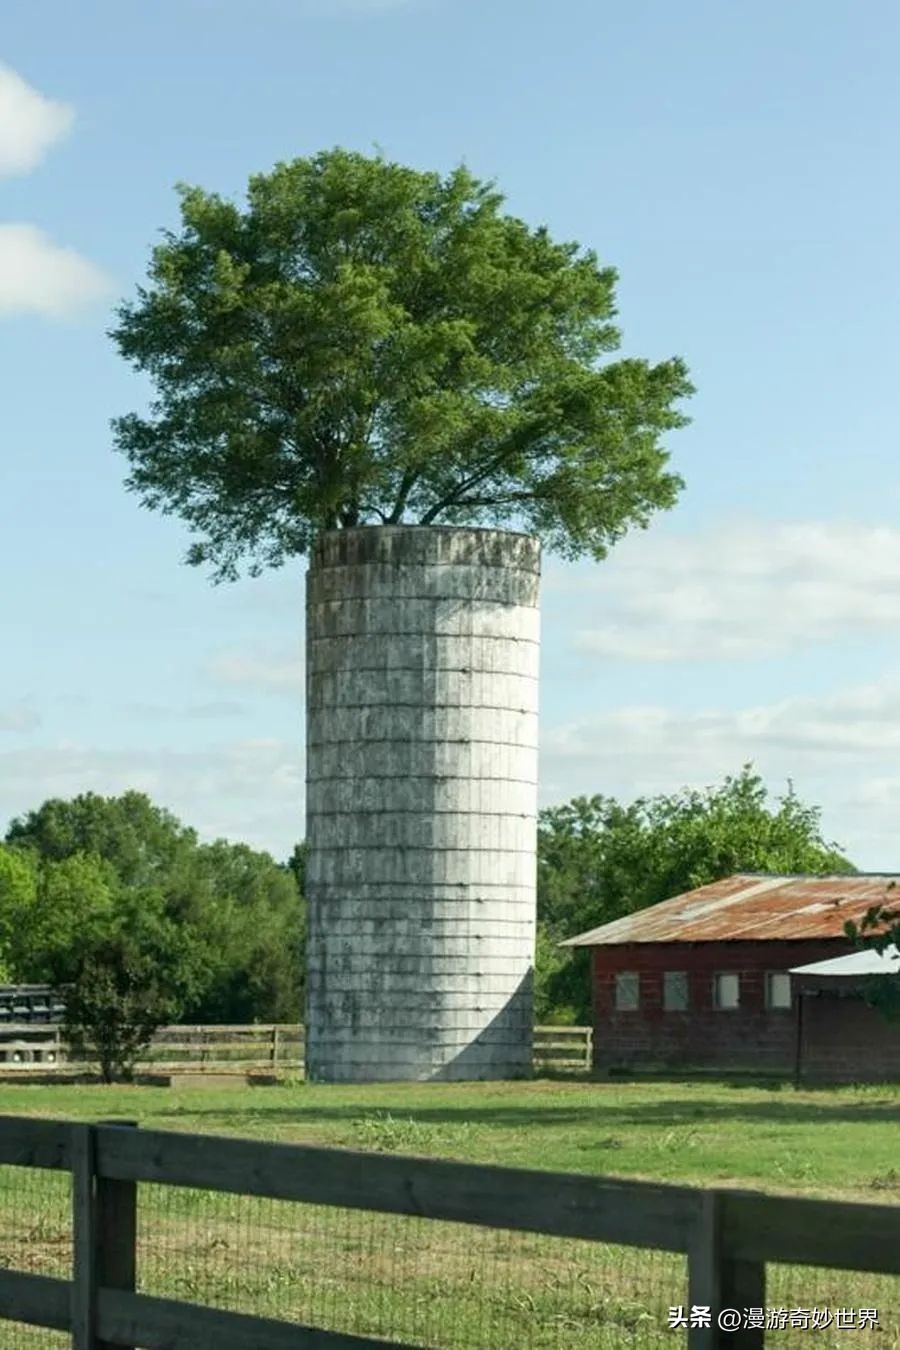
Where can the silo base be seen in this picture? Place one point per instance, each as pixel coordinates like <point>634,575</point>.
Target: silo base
<point>502,1049</point>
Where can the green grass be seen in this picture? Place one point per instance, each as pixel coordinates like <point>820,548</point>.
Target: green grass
<point>841,1141</point>
<point>445,1285</point>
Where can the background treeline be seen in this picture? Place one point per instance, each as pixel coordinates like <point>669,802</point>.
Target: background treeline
<point>117,898</point>
<point>117,881</point>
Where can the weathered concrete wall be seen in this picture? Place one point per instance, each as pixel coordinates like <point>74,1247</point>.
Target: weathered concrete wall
<point>422,700</point>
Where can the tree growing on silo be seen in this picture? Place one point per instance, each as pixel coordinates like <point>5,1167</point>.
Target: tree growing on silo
<point>365,343</point>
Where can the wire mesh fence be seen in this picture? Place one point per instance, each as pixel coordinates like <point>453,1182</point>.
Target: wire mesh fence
<point>421,1281</point>
<point>841,1308</point>
<point>18,1336</point>
<point>36,1221</point>
<point>418,1281</point>
<point>36,1237</point>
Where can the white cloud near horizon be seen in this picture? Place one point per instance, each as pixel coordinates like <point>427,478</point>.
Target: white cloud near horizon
<point>19,717</point>
<point>209,710</point>
<point>38,276</point>
<point>738,592</point>
<point>840,750</point>
<point>30,123</point>
<point>859,720</point>
<point>248,791</point>
<point>277,672</point>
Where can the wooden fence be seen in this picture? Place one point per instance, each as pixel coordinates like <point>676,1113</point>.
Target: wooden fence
<point>728,1236</point>
<point>263,1047</point>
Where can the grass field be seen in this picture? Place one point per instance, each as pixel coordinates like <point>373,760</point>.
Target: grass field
<point>445,1285</point>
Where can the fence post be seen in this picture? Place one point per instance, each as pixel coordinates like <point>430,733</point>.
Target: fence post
<point>84,1228</point>
<point>104,1223</point>
<point>275,1046</point>
<point>717,1282</point>
<point>116,1259</point>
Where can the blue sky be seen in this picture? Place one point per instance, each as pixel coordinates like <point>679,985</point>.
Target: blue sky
<point>736,164</point>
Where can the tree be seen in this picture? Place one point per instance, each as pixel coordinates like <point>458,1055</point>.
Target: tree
<point>879,930</point>
<point>140,840</point>
<point>365,343</point>
<point>253,921</point>
<point>77,862</point>
<point>125,981</point>
<point>598,860</point>
<point>18,885</point>
<point>296,864</point>
<point>56,906</point>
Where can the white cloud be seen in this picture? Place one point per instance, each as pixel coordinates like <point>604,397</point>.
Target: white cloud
<point>862,720</point>
<point>250,791</point>
<point>210,710</point>
<point>739,591</point>
<point>19,717</point>
<point>29,123</point>
<point>279,672</point>
<point>840,750</point>
<point>38,276</point>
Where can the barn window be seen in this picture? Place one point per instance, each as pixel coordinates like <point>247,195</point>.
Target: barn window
<point>627,991</point>
<point>727,990</point>
<point>778,989</point>
<point>675,990</point>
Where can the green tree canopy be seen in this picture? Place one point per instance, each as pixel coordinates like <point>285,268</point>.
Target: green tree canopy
<point>599,860</point>
<point>879,931</point>
<point>125,979</point>
<point>71,869</point>
<point>364,343</point>
<point>140,840</point>
<point>249,916</point>
<point>67,901</point>
<point>18,888</point>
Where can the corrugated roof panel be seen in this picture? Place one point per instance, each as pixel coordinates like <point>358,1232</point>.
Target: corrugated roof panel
<point>746,907</point>
<point>735,898</point>
<point>856,964</point>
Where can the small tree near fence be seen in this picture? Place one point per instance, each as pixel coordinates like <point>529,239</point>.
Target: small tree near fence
<point>126,983</point>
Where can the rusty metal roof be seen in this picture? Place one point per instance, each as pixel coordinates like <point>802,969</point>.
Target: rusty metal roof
<point>751,907</point>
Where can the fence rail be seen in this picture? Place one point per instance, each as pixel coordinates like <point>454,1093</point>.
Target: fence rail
<point>728,1236</point>
<point>270,1046</point>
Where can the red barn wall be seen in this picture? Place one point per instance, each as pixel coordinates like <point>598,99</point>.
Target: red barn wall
<point>750,1037</point>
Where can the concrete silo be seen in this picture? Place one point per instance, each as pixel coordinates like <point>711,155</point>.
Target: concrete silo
<point>422,700</point>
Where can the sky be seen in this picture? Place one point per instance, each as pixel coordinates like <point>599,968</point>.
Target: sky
<point>735,163</point>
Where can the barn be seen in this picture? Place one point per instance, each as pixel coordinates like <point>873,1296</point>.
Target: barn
<point>712,980</point>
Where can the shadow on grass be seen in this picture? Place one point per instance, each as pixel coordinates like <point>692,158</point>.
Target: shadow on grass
<point>787,1108</point>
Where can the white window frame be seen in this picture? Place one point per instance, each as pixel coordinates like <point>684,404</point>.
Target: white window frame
<point>717,1003</point>
<point>621,1004</point>
<point>683,976</point>
<point>771,976</point>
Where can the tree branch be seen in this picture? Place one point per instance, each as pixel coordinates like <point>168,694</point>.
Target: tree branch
<point>407,483</point>
<point>452,498</point>
<point>533,496</point>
